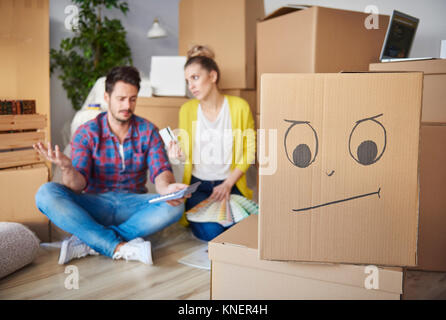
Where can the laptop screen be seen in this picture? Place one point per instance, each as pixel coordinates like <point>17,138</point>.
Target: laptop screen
<point>400,36</point>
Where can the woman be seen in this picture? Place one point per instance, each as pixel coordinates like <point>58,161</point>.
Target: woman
<point>217,138</point>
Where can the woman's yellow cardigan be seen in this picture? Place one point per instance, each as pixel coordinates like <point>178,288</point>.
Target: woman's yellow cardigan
<point>244,139</point>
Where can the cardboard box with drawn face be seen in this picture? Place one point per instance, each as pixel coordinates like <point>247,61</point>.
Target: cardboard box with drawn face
<point>345,188</point>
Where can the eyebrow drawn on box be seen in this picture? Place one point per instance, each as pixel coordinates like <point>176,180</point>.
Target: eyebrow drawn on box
<point>338,201</point>
<point>370,118</point>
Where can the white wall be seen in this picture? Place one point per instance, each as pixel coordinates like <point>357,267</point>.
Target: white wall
<point>431,30</point>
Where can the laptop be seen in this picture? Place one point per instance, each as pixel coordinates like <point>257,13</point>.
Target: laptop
<point>167,76</point>
<point>399,38</point>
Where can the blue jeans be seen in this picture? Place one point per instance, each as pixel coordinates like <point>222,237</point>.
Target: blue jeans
<point>104,220</point>
<point>206,230</point>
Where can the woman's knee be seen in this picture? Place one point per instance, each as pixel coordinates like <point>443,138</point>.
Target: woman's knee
<point>206,231</point>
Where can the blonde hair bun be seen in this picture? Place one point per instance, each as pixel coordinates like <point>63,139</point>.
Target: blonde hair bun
<point>202,51</point>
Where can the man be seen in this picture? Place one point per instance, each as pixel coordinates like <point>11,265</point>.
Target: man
<point>103,201</point>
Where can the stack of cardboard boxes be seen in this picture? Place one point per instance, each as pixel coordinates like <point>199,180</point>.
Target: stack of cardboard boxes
<point>339,195</point>
<point>22,171</point>
<point>338,192</point>
<point>339,211</point>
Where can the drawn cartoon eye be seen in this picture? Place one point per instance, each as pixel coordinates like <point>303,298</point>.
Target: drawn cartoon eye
<point>367,141</point>
<point>301,143</point>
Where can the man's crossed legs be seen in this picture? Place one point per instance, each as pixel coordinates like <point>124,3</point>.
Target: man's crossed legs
<point>100,222</point>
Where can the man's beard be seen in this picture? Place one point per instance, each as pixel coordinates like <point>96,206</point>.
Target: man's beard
<point>122,121</point>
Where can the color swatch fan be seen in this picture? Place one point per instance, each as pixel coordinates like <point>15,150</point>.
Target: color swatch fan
<point>224,212</point>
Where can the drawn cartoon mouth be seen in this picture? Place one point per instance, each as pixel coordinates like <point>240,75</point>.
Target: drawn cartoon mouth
<point>338,201</point>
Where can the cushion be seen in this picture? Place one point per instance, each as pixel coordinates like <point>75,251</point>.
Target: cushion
<point>18,247</point>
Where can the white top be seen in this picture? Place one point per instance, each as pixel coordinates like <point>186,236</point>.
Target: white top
<point>212,146</point>
<point>121,152</point>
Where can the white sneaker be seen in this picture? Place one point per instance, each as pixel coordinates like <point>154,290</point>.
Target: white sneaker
<point>136,249</point>
<point>137,240</point>
<point>74,248</point>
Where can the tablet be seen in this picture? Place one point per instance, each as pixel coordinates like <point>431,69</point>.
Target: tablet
<point>178,194</point>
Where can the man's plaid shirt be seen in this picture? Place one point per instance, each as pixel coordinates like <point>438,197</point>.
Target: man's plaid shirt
<point>95,154</point>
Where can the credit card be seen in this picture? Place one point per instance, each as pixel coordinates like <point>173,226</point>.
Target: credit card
<point>167,135</point>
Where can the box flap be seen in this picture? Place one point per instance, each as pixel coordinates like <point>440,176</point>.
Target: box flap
<point>380,71</point>
<point>432,66</point>
<point>247,238</point>
<point>235,247</point>
<point>285,10</point>
<point>427,123</point>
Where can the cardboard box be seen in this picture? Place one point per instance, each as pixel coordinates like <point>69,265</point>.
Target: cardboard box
<point>167,76</point>
<point>434,93</point>
<point>432,235</point>
<point>249,95</point>
<point>237,273</point>
<point>229,29</point>
<point>18,188</point>
<point>161,111</point>
<point>345,188</point>
<point>317,39</point>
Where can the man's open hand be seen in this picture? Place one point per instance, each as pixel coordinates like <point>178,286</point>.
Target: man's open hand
<point>55,156</point>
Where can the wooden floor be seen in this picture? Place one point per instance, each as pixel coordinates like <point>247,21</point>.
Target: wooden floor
<point>103,278</point>
<point>424,285</point>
